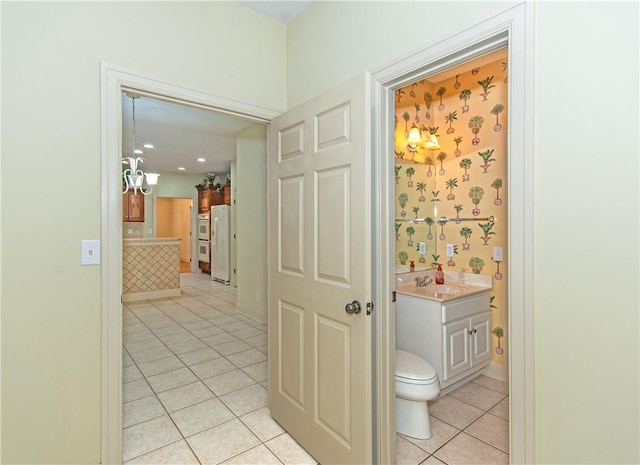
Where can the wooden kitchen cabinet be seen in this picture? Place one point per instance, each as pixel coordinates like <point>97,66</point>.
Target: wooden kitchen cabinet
<point>204,199</point>
<point>208,197</point>
<point>227,193</point>
<point>133,207</point>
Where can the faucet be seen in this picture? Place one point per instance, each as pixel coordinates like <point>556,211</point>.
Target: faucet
<point>421,282</point>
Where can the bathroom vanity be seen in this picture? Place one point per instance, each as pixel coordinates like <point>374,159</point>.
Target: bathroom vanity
<point>448,325</point>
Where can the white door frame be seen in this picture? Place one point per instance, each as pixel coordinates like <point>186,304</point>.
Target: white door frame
<point>515,27</point>
<point>113,81</point>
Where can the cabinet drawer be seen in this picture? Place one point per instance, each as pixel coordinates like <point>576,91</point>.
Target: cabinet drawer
<point>465,307</point>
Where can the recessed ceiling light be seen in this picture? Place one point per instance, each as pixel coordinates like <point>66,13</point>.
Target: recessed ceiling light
<point>181,168</point>
<point>201,160</point>
<point>148,146</point>
<point>138,151</point>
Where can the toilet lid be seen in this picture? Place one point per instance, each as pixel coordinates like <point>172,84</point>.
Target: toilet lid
<point>411,366</point>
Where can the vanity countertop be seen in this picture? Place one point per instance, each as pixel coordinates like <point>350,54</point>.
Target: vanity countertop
<point>456,285</point>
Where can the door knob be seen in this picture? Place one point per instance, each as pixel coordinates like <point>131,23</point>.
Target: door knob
<point>353,307</point>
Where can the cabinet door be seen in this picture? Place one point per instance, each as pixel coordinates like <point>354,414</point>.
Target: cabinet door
<point>480,338</point>
<point>204,200</point>
<point>133,207</point>
<point>456,348</point>
<point>136,207</point>
<point>125,207</point>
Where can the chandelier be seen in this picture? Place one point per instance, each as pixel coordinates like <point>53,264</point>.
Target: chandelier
<point>133,176</point>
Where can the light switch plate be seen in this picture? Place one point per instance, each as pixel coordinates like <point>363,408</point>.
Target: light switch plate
<point>89,252</point>
<point>497,254</point>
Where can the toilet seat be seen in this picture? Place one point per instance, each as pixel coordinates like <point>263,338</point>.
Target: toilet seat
<point>412,369</point>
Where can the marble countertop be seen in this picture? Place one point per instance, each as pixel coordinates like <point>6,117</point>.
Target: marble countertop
<point>456,285</point>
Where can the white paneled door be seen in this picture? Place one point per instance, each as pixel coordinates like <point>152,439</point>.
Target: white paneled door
<point>319,265</point>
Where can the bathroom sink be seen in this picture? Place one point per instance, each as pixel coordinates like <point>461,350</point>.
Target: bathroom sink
<point>457,285</point>
<point>443,288</point>
<point>431,289</point>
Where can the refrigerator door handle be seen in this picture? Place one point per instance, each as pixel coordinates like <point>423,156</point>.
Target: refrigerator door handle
<point>214,236</point>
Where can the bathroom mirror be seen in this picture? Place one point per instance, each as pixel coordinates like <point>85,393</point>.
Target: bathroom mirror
<point>415,226</point>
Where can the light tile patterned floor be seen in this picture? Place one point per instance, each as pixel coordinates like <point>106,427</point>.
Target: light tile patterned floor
<point>470,426</point>
<point>195,382</point>
<point>195,392</point>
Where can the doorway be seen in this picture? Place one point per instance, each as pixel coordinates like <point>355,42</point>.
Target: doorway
<point>456,171</point>
<point>173,219</point>
<point>114,82</point>
<point>512,28</point>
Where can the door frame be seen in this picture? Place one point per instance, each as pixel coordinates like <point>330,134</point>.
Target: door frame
<point>515,28</point>
<point>114,80</point>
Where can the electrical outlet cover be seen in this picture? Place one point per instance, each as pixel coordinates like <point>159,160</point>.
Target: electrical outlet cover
<point>450,250</point>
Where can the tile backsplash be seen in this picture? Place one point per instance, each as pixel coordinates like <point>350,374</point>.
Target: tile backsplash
<point>132,230</point>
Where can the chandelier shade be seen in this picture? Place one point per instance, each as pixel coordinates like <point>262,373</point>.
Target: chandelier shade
<point>133,177</point>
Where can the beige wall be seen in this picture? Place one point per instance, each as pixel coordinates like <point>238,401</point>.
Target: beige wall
<point>586,259</point>
<point>173,219</point>
<point>586,195</point>
<point>164,218</point>
<point>51,313</point>
<point>251,178</point>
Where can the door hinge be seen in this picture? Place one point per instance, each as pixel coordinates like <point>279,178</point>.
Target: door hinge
<point>369,307</point>
<point>393,296</point>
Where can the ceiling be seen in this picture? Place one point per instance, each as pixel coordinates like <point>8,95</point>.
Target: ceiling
<point>282,11</point>
<point>181,134</point>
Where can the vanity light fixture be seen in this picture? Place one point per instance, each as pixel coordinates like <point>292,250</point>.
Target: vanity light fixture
<point>432,139</point>
<point>414,141</point>
<point>133,176</point>
<point>432,143</point>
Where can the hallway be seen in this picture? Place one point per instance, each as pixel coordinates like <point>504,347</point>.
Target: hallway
<point>195,382</point>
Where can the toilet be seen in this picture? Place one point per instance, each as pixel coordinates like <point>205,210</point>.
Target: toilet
<point>416,383</point>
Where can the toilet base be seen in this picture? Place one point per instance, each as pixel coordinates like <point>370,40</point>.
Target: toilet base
<point>412,419</point>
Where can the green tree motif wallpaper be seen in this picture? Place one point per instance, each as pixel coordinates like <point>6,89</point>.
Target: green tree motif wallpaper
<point>465,178</point>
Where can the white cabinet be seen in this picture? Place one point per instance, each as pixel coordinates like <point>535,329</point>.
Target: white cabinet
<point>467,344</point>
<point>453,336</point>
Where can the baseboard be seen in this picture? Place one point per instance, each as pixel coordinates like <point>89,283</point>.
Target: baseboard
<point>497,371</point>
<point>252,314</point>
<point>136,296</point>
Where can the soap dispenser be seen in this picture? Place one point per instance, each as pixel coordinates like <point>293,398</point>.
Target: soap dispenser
<point>412,266</point>
<point>439,275</point>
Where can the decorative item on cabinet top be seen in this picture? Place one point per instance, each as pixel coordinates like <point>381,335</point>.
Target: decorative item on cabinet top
<point>211,195</point>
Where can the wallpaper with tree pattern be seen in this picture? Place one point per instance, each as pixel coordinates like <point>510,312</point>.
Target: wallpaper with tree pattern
<point>465,178</point>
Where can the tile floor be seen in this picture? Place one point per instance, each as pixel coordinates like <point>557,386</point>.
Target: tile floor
<point>195,382</point>
<point>195,392</point>
<point>470,426</point>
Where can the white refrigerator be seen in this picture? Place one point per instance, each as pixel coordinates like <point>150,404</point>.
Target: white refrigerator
<point>220,243</point>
